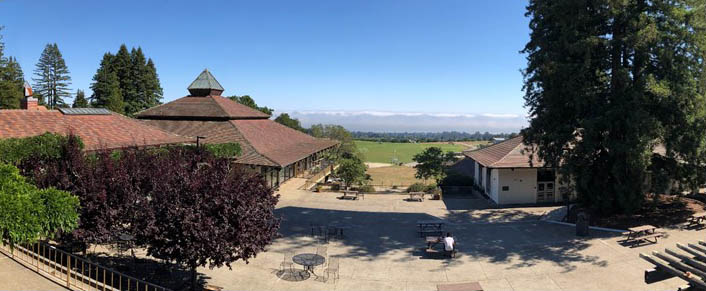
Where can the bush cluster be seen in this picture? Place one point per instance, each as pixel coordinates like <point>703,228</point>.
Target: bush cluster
<point>45,146</point>
<point>366,189</point>
<point>421,187</point>
<point>28,213</point>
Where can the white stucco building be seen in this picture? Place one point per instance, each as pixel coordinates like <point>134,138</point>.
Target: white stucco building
<point>504,171</point>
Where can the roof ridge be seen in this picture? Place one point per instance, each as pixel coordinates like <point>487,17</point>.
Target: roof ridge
<point>492,145</point>
<point>510,151</point>
<point>235,126</point>
<point>219,105</point>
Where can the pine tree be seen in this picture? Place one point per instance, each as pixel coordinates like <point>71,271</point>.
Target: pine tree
<point>138,76</point>
<point>137,79</point>
<point>80,100</point>
<point>106,87</point>
<point>11,84</point>
<point>11,80</point>
<point>52,76</point>
<point>154,89</point>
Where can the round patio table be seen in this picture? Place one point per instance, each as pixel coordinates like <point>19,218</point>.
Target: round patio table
<point>309,261</point>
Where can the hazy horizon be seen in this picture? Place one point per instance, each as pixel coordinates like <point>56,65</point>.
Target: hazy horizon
<point>387,121</point>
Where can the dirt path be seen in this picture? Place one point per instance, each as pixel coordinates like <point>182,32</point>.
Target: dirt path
<point>377,165</point>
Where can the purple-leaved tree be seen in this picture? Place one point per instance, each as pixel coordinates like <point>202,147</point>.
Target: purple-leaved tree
<point>208,212</point>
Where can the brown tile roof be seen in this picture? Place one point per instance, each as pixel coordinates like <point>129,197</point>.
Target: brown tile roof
<point>511,153</point>
<point>215,132</point>
<point>202,108</point>
<point>263,141</point>
<point>279,143</point>
<point>96,131</point>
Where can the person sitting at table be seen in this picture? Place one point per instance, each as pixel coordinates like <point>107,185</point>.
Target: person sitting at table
<point>450,245</point>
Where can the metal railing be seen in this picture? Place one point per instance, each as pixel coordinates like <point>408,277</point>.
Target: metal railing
<point>72,271</point>
<point>318,175</point>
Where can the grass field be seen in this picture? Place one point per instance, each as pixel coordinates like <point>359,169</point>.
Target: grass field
<point>394,175</point>
<point>386,152</point>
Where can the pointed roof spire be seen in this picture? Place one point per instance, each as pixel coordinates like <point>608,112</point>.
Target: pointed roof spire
<point>205,84</point>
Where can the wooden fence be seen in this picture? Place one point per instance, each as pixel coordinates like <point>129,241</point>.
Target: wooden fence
<point>72,271</point>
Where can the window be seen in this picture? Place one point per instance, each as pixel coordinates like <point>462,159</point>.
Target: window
<point>506,188</point>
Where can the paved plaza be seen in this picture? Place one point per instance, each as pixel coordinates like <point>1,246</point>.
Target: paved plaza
<point>502,249</point>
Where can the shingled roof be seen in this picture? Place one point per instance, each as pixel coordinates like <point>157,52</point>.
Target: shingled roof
<point>221,120</point>
<point>511,153</point>
<point>97,131</point>
<point>202,108</point>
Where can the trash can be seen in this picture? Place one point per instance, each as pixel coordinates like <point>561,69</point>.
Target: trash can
<point>582,224</point>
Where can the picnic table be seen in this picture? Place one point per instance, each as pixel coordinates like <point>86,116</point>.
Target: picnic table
<point>353,195</point>
<point>642,233</point>
<point>418,196</point>
<point>309,261</point>
<point>697,218</point>
<point>430,227</point>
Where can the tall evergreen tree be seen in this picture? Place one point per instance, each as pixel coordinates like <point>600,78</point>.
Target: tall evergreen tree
<point>11,84</point>
<point>80,100</point>
<point>137,79</point>
<point>11,80</point>
<point>52,76</point>
<point>106,87</point>
<point>608,80</point>
<point>154,89</point>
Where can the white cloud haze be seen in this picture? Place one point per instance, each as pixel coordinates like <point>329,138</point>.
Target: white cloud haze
<point>385,121</point>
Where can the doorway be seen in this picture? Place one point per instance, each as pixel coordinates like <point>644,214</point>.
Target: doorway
<point>545,185</point>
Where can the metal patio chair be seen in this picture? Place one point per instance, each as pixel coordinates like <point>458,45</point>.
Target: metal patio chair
<point>332,268</point>
<point>287,262</point>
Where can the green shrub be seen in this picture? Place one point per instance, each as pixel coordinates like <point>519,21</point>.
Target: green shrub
<point>28,214</point>
<point>431,188</point>
<point>335,187</point>
<point>366,189</point>
<point>224,150</point>
<point>46,146</point>
<point>417,187</point>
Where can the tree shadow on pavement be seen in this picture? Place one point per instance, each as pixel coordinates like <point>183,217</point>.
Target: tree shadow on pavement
<point>379,235</point>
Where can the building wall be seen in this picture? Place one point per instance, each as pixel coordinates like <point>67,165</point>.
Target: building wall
<point>476,171</point>
<point>494,182</point>
<point>483,177</point>
<point>521,186</point>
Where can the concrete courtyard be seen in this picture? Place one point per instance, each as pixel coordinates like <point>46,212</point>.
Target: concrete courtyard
<point>503,249</point>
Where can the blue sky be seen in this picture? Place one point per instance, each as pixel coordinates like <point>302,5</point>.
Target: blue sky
<point>401,56</point>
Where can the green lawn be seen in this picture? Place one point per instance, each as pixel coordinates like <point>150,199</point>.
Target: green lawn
<point>385,152</point>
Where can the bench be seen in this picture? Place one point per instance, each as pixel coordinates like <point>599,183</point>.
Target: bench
<point>642,233</point>
<point>687,264</point>
<point>416,196</point>
<point>353,195</point>
<point>432,241</point>
<point>697,219</point>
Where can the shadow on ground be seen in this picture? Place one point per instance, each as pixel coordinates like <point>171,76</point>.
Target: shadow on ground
<point>375,235</point>
<point>150,270</point>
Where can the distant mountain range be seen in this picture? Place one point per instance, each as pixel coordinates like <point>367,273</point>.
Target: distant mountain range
<point>381,121</point>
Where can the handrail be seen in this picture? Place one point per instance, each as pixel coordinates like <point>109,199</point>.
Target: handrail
<point>87,277</point>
